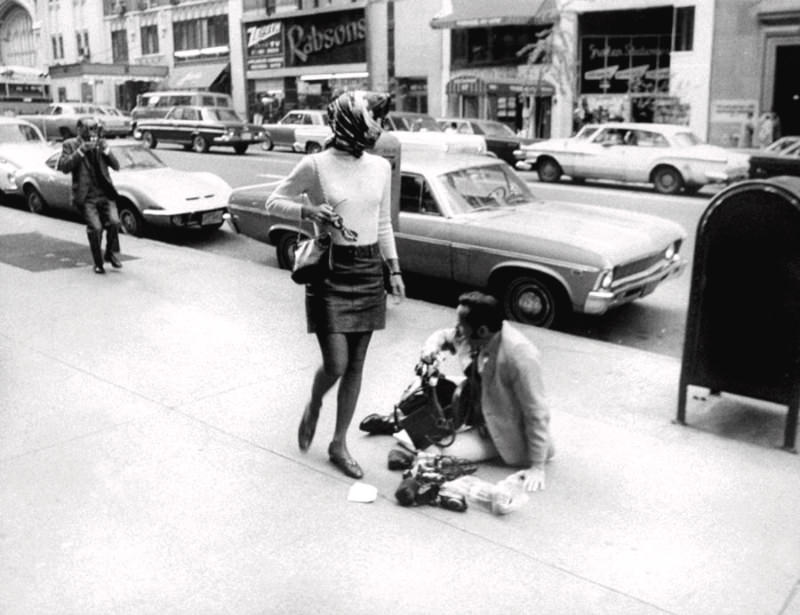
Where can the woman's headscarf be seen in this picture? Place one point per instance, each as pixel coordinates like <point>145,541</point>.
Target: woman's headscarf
<point>352,119</point>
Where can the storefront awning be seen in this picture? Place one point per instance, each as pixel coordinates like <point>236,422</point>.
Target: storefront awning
<point>196,76</point>
<point>476,13</point>
<point>474,86</point>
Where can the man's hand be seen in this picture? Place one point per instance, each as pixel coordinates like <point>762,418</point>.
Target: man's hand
<point>86,147</point>
<point>102,145</point>
<point>532,478</point>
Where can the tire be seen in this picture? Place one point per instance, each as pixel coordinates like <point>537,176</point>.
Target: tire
<point>667,180</point>
<point>692,189</point>
<point>35,201</point>
<point>130,220</point>
<point>267,144</point>
<point>313,147</point>
<point>241,148</point>
<point>284,249</point>
<point>200,144</point>
<point>548,170</point>
<point>149,139</point>
<point>534,301</point>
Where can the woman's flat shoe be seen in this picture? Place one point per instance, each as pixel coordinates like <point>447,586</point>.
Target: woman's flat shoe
<point>345,463</point>
<point>305,433</point>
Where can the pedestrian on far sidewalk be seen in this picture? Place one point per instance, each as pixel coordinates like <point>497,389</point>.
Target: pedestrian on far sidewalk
<point>345,191</point>
<point>87,157</point>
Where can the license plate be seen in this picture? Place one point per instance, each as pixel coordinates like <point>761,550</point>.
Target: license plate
<point>246,136</point>
<point>212,217</point>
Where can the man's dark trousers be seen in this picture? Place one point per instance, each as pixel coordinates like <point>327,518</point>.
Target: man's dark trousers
<point>99,212</point>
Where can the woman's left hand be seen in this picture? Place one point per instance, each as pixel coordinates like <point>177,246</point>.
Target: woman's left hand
<point>397,285</point>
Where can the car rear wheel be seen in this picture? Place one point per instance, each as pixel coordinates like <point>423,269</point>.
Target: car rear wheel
<point>284,249</point>
<point>240,149</point>
<point>200,144</point>
<point>35,200</point>
<point>313,147</point>
<point>549,170</point>
<point>130,220</point>
<point>535,301</point>
<point>667,180</point>
<point>267,144</point>
<point>149,139</point>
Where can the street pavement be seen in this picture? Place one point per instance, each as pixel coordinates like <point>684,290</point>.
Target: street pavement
<point>148,462</point>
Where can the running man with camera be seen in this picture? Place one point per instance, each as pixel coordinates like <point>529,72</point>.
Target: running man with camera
<point>502,393</point>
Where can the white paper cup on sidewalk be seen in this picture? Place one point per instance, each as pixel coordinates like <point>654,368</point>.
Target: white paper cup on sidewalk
<point>362,492</point>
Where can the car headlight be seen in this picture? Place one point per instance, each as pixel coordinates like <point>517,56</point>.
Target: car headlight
<point>607,279</point>
<point>669,252</point>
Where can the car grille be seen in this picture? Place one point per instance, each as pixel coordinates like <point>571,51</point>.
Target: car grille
<point>640,266</point>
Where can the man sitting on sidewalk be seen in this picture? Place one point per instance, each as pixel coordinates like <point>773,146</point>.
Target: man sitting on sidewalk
<point>503,391</point>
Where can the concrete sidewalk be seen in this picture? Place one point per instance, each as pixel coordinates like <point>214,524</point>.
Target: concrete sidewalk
<point>148,462</point>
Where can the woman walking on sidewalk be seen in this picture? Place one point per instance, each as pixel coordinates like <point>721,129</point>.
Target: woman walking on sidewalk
<point>344,183</point>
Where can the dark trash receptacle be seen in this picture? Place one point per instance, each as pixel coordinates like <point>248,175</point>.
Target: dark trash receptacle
<point>743,324</point>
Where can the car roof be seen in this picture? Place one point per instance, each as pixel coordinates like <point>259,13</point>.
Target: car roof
<point>438,163</point>
<point>666,128</point>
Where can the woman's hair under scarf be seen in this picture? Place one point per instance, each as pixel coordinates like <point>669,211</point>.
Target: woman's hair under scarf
<point>352,119</point>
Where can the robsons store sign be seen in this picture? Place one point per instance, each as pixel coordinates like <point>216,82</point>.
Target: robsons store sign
<point>312,40</point>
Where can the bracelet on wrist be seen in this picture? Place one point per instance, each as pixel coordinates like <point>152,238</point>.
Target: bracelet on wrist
<point>396,273</point>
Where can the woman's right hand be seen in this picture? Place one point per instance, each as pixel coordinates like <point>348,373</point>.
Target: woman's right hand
<point>321,214</point>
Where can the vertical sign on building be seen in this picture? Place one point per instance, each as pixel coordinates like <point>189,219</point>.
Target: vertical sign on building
<point>265,45</point>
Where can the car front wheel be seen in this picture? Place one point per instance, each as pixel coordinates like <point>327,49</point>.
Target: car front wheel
<point>200,144</point>
<point>667,180</point>
<point>35,200</point>
<point>130,220</point>
<point>267,144</point>
<point>534,301</point>
<point>313,148</point>
<point>549,170</point>
<point>284,249</point>
<point>149,139</point>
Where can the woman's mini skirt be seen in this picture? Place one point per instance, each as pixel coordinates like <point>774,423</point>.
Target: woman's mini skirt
<point>352,297</point>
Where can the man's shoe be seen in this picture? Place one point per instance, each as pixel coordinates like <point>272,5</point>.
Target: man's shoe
<point>379,425</point>
<point>114,260</point>
<point>99,269</point>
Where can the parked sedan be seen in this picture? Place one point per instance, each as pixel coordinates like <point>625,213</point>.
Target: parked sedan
<point>115,122</point>
<point>500,139</point>
<point>282,132</point>
<point>474,221</point>
<point>150,192</point>
<point>200,128</point>
<point>61,119</point>
<point>769,163</point>
<point>670,157</point>
<point>18,138</point>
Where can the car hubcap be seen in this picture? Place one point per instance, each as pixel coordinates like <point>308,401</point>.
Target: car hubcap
<point>531,304</point>
<point>128,222</point>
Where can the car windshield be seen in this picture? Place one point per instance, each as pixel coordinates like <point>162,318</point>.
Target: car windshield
<point>224,115</point>
<point>136,157</point>
<point>485,187</point>
<point>782,145</point>
<point>18,133</point>
<point>496,129</point>
<point>417,124</point>
<point>586,132</point>
<point>686,139</point>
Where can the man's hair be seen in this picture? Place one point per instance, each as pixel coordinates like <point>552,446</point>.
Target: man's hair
<point>483,310</point>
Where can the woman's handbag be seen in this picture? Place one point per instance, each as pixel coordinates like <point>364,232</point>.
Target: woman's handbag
<point>312,259</point>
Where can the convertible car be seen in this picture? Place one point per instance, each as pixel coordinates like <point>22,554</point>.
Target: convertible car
<point>474,221</point>
<point>150,192</point>
<point>670,157</point>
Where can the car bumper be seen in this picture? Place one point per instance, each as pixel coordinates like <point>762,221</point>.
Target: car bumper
<point>523,165</point>
<point>726,177</point>
<point>186,219</point>
<point>600,301</point>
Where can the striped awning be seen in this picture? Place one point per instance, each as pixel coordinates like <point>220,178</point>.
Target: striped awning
<point>466,85</point>
<point>477,13</point>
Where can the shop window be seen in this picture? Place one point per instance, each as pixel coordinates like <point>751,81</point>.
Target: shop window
<point>119,46</point>
<point>149,36</point>
<point>684,28</point>
<point>492,46</point>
